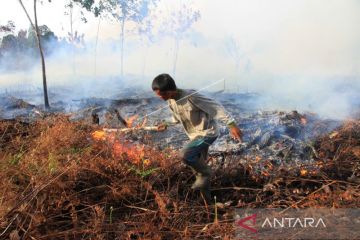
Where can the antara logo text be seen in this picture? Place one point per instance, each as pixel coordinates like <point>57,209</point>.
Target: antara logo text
<point>284,222</point>
<point>289,222</point>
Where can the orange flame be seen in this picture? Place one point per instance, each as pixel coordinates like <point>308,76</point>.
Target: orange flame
<point>134,153</point>
<point>98,135</point>
<point>146,162</point>
<point>130,121</point>
<point>257,158</point>
<point>303,172</point>
<point>123,149</point>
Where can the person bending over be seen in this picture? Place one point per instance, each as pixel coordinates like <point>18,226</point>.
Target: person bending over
<point>198,114</point>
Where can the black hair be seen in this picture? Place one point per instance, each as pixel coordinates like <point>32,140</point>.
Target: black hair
<point>163,82</point>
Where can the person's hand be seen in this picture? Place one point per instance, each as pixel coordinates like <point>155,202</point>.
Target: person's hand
<point>162,127</point>
<point>235,132</point>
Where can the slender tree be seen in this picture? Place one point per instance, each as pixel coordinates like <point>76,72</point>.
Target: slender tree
<point>176,25</point>
<point>146,37</point>
<point>130,11</point>
<point>71,35</point>
<point>96,45</point>
<point>36,28</point>
<point>146,30</point>
<point>99,9</point>
<point>239,56</point>
<point>123,11</point>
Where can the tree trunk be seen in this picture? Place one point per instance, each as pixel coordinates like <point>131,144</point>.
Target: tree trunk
<point>36,28</point>
<point>96,43</point>
<point>72,38</point>
<point>46,99</point>
<point>122,45</point>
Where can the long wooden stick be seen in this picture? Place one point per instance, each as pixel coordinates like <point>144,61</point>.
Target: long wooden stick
<point>150,128</point>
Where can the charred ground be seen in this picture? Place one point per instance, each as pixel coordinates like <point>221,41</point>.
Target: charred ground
<point>62,181</point>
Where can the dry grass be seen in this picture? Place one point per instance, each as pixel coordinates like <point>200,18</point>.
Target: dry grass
<point>59,183</point>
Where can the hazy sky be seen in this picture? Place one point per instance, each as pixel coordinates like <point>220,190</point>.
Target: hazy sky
<point>298,48</point>
<point>317,37</point>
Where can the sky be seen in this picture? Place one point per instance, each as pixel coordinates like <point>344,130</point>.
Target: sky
<point>300,50</point>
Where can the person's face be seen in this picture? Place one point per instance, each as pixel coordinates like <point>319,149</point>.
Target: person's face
<point>165,95</point>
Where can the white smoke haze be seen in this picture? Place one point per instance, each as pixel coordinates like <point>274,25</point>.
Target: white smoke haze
<point>301,55</point>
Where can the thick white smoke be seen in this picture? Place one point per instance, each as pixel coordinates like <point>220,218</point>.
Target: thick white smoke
<point>300,55</point>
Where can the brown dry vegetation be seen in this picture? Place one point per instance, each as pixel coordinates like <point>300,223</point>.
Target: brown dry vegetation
<point>58,183</point>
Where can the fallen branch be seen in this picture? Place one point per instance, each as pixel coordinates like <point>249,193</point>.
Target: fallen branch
<point>312,193</point>
<point>149,128</point>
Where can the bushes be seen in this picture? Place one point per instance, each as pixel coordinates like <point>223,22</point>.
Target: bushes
<point>58,182</point>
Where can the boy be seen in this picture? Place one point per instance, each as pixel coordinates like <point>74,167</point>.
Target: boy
<point>197,114</point>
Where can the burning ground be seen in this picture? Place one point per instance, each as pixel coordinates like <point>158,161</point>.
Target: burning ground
<point>64,177</point>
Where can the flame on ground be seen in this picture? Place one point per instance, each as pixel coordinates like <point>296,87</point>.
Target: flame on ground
<point>130,121</point>
<point>303,172</point>
<point>132,152</point>
<point>99,135</point>
<point>123,149</point>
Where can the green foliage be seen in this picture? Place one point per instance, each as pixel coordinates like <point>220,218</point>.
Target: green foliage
<point>47,37</point>
<point>53,164</point>
<point>77,150</point>
<point>141,171</point>
<point>15,159</point>
<point>120,10</point>
<point>9,27</point>
<point>9,42</point>
<point>21,47</point>
<point>147,172</point>
<point>87,4</point>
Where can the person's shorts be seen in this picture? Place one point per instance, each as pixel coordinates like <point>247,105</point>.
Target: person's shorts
<point>192,151</point>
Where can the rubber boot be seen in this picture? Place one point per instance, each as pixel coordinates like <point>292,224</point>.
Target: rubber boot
<point>202,181</point>
<point>203,174</point>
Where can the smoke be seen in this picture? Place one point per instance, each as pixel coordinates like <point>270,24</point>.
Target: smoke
<point>336,98</point>
<point>302,55</point>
